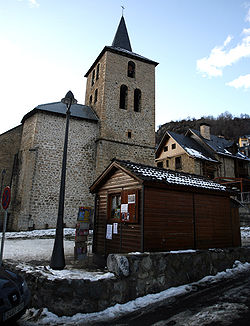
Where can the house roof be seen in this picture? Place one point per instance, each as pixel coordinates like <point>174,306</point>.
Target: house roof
<point>218,145</point>
<point>155,175</point>
<point>77,111</point>
<point>192,148</point>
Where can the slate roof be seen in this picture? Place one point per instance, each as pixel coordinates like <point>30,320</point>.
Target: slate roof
<point>77,111</point>
<point>121,45</point>
<point>219,145</point>
<point>193,148</point>
<point>121,39</point>
<point>161,176</point>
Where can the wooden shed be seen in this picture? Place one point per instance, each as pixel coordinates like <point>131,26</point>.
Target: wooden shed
<point>143,208</point>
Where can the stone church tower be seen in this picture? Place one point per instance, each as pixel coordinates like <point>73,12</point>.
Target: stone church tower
<point>121,90</point>
<point>117,120</point>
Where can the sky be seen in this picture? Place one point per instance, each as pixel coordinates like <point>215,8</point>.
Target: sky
<point>202,46</point>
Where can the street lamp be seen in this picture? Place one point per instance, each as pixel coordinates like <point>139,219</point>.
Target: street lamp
<point>57,259</point>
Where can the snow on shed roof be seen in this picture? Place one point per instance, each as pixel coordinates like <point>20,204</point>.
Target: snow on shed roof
<point>155,174</point>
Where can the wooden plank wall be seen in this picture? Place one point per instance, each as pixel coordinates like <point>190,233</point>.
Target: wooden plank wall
<point>213,221</point>
<point>184,220</point>
<point>168,220</point>
<point>129,235</point>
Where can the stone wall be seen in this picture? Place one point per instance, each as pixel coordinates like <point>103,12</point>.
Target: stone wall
<point>9,147</point>
<point>40,162</point>
<point>136,275</point>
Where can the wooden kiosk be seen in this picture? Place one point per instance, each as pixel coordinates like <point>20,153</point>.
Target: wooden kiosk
<point>141,208</point>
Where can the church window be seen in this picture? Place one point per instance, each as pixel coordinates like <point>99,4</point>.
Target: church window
<point>96,95</point>
<point>97,71</point>
<point>129,134</point>
<point>131,69</point>
<point>90,100</point>
<point>93,77</point>
<point>123,97</point>
<point>137,100</point>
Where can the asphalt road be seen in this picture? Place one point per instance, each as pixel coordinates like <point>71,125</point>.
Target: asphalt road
<point>223,303</point>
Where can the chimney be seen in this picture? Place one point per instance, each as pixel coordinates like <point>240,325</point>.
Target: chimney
<point>205,130</point>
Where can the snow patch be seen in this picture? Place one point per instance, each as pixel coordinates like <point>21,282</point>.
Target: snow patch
<point>44,317</point>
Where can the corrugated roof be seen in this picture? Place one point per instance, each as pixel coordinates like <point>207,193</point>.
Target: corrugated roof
<point>77,110</point>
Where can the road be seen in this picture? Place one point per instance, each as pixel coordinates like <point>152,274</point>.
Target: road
<point>224,303</point>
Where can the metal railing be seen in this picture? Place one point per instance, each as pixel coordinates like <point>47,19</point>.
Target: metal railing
<point>244,197</point>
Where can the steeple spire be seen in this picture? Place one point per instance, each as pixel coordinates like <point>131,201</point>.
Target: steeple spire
<point>121,39</point>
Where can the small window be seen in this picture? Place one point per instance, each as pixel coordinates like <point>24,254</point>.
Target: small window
<point>115,206</point>
<point>97,71</point>
<point>123,97</point>
<point>165,148</point>
<point>93,77</point>
<point>160,164</point>
<point>96,95</point>
<point>129,134</point>
<point>167,163</point>
<point>178,163</point>
<point>90,99</point>
<point>137,100</point>
<point>173,146</point>
<point>131,69</point>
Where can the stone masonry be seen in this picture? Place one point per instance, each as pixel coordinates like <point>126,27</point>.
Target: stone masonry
<point>40,160</point>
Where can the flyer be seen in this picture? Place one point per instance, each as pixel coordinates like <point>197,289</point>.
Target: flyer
<point>115,228</point>
<point>109,232</point>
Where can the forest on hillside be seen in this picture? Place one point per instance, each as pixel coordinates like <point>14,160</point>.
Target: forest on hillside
<point>224,125</point>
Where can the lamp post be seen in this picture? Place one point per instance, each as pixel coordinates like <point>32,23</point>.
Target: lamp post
<point>57,259</point>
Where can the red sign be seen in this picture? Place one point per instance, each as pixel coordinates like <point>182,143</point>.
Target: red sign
<point>6,198</point>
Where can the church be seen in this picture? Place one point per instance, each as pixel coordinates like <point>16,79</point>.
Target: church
<point>116,121</point>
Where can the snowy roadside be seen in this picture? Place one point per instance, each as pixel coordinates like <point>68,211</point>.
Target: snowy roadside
<point>45,317</point>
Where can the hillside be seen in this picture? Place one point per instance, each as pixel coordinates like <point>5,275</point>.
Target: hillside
<point>224,125</point>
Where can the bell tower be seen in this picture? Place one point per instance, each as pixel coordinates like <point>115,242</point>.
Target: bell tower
<point>121,89</point>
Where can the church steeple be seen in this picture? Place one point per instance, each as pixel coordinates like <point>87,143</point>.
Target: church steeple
<point>121,39</point>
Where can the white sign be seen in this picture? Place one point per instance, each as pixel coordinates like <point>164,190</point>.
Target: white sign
<point>131,199</point>
<point>124,208</point>
<point>115,228</point>
<point>109,232</point>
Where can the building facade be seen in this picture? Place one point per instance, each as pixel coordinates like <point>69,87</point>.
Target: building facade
<point>117,120</point>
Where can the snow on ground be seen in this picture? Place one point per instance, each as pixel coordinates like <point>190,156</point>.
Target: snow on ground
<point>45,317</point>
<point>33,249</point>
<point>37,234</point>
<point>51,274</point>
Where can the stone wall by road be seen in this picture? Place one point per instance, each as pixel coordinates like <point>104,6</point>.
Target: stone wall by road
<point>136,275</point>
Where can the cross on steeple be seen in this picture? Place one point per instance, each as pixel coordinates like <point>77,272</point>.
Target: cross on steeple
<point>122,9</point>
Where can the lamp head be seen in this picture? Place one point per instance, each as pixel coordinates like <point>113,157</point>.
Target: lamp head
<point>69,99</point>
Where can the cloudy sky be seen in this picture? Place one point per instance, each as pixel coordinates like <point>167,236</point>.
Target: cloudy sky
<point>202,46</point>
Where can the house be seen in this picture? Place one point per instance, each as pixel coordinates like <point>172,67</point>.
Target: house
<point>117,120</point>
<point>144,208</point>
<point>202,153</point>
<point>244,145</point>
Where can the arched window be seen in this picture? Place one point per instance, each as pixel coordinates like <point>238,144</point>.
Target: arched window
<point>137,100</point>
<point>97,71</point>
<point>93,77</point>
<point>123,97</point>
<point>90,100</point>
<point>131,69</point>
<point>96,95</point>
